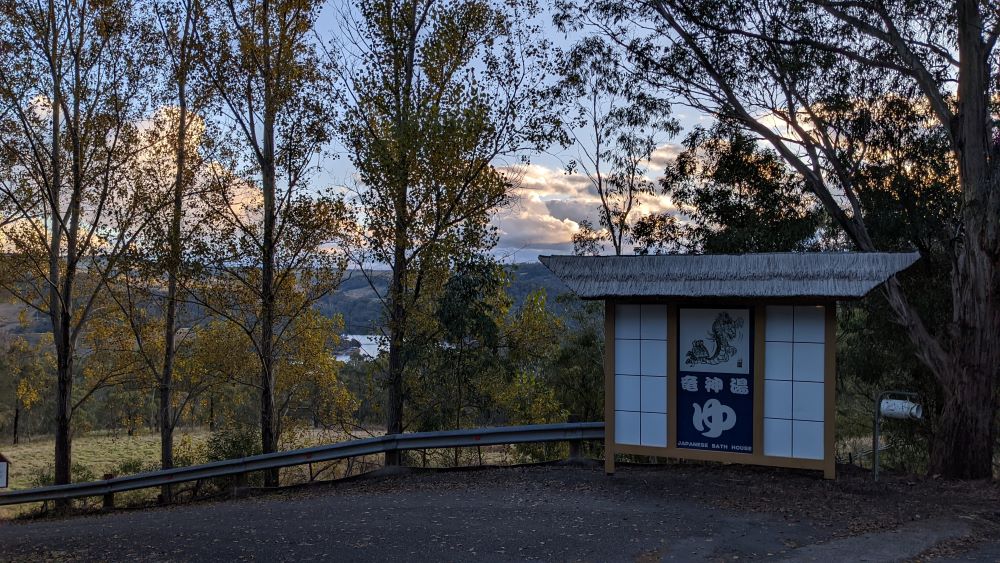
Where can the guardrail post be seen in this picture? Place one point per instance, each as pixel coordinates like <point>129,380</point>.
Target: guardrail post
<point>109,498</point>
<point>239,485</point>
<point>575,445</point>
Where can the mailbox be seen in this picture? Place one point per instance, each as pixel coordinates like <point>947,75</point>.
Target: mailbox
<point>901,408</point>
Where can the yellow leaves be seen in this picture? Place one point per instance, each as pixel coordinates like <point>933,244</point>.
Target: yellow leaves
<point>528,400</point>
<point>29,367</point>
<point>27,394</point>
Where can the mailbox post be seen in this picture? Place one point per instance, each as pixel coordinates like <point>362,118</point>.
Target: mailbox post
<point>901,408</point>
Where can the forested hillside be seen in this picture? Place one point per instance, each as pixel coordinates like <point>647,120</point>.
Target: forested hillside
<point>357,298</point>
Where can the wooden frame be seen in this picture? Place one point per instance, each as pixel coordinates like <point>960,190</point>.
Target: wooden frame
<point>827,465</point>
<point>609,387</point>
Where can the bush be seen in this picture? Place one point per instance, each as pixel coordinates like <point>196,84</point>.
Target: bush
<point>133,466</point>
<point>79,473</point>
<point>187,453</point>
<point>232,442</point>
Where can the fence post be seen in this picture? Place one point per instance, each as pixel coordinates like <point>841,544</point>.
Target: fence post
<point>109,498</point>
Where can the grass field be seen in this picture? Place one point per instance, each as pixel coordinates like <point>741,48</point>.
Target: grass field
<point>100,453</point>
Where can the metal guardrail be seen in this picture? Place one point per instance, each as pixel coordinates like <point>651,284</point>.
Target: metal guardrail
<point>564,432</point>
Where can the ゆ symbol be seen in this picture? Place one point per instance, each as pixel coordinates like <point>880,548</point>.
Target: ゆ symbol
<point>714,416</point>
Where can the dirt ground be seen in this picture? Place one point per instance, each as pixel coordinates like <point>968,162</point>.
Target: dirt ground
<point>681,512</point>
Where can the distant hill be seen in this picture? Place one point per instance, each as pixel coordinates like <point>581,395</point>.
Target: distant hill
<point>360,306</point>
<point>10,321</point>
<point>355,300</point>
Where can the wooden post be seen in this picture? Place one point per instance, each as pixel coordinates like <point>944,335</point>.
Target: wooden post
<point>574,445</point>
<point>830,393</point>
<point>109,498</point>
<point>609,388</point>
<point>239,485</point>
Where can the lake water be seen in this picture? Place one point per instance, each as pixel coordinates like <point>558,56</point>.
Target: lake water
<point>369,345</point>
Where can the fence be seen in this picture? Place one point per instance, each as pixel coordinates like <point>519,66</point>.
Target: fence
<point>565,432</point>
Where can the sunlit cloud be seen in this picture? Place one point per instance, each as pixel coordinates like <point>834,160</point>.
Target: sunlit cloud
<point>661,157</point>
<point>550,204</point>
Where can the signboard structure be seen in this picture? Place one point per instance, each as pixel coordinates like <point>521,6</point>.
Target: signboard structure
<point>4,472</point>
<point>728,358</point>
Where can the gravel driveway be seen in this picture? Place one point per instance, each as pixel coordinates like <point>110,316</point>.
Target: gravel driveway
<point>546,513</point>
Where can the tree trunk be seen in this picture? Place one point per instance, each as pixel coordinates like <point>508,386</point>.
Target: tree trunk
<point>401,241</point>
<point>268,422</point>
<point>17,418</point>
<point>965,433</point>
<point>64,393</point>
<point>170,322</point>
<point>56,306</point>
<point>965,439</point>
<point>394,399</point>
<point>397,329</point>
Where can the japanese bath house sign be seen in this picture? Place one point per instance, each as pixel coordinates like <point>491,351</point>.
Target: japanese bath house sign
<point>723,357</point>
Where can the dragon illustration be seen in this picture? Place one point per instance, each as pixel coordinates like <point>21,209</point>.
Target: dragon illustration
<point>725,329</point>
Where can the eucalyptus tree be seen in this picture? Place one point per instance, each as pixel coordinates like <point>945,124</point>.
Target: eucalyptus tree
<point>440,93</point>
<point>72,94</point>
<point>738,196</point>
<point>266,254</point>
<point>796,74</point>
<point>615,125</point>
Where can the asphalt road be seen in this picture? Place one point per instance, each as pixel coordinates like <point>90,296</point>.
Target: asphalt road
<point>545,513</point>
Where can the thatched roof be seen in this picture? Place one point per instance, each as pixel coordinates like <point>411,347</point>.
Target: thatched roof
<point>839,275</point>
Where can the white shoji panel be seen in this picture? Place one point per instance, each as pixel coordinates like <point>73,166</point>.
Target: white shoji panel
<point>810,324</point>
<point>807,439</point>
<point>653,429</point>
<point>627,321</point>
<point>627,357</point>
<point>653,394</point>
<point>627,427</point>
<point>627,392</point>
<point>654,322</point>
<point>778,437</point>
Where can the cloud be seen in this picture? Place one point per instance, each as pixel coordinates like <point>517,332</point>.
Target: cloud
<point>550,204</point>
<point>661,157</point>
<point>573,209</point>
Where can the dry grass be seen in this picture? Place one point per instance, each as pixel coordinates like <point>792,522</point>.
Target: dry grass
<point>98,452</point>
<point>102,452</point>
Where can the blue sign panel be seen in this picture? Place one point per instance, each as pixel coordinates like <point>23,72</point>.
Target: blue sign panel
<point>715,380</point>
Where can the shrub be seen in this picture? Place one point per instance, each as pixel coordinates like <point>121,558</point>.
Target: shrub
<point>133,466</point>
<point>79,473</point>
<point>232,442</point>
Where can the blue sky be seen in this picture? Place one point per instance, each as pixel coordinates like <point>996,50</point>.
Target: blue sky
<point>549,204</point>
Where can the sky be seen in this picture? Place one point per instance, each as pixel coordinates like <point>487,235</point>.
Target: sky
<point>549,204</point>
